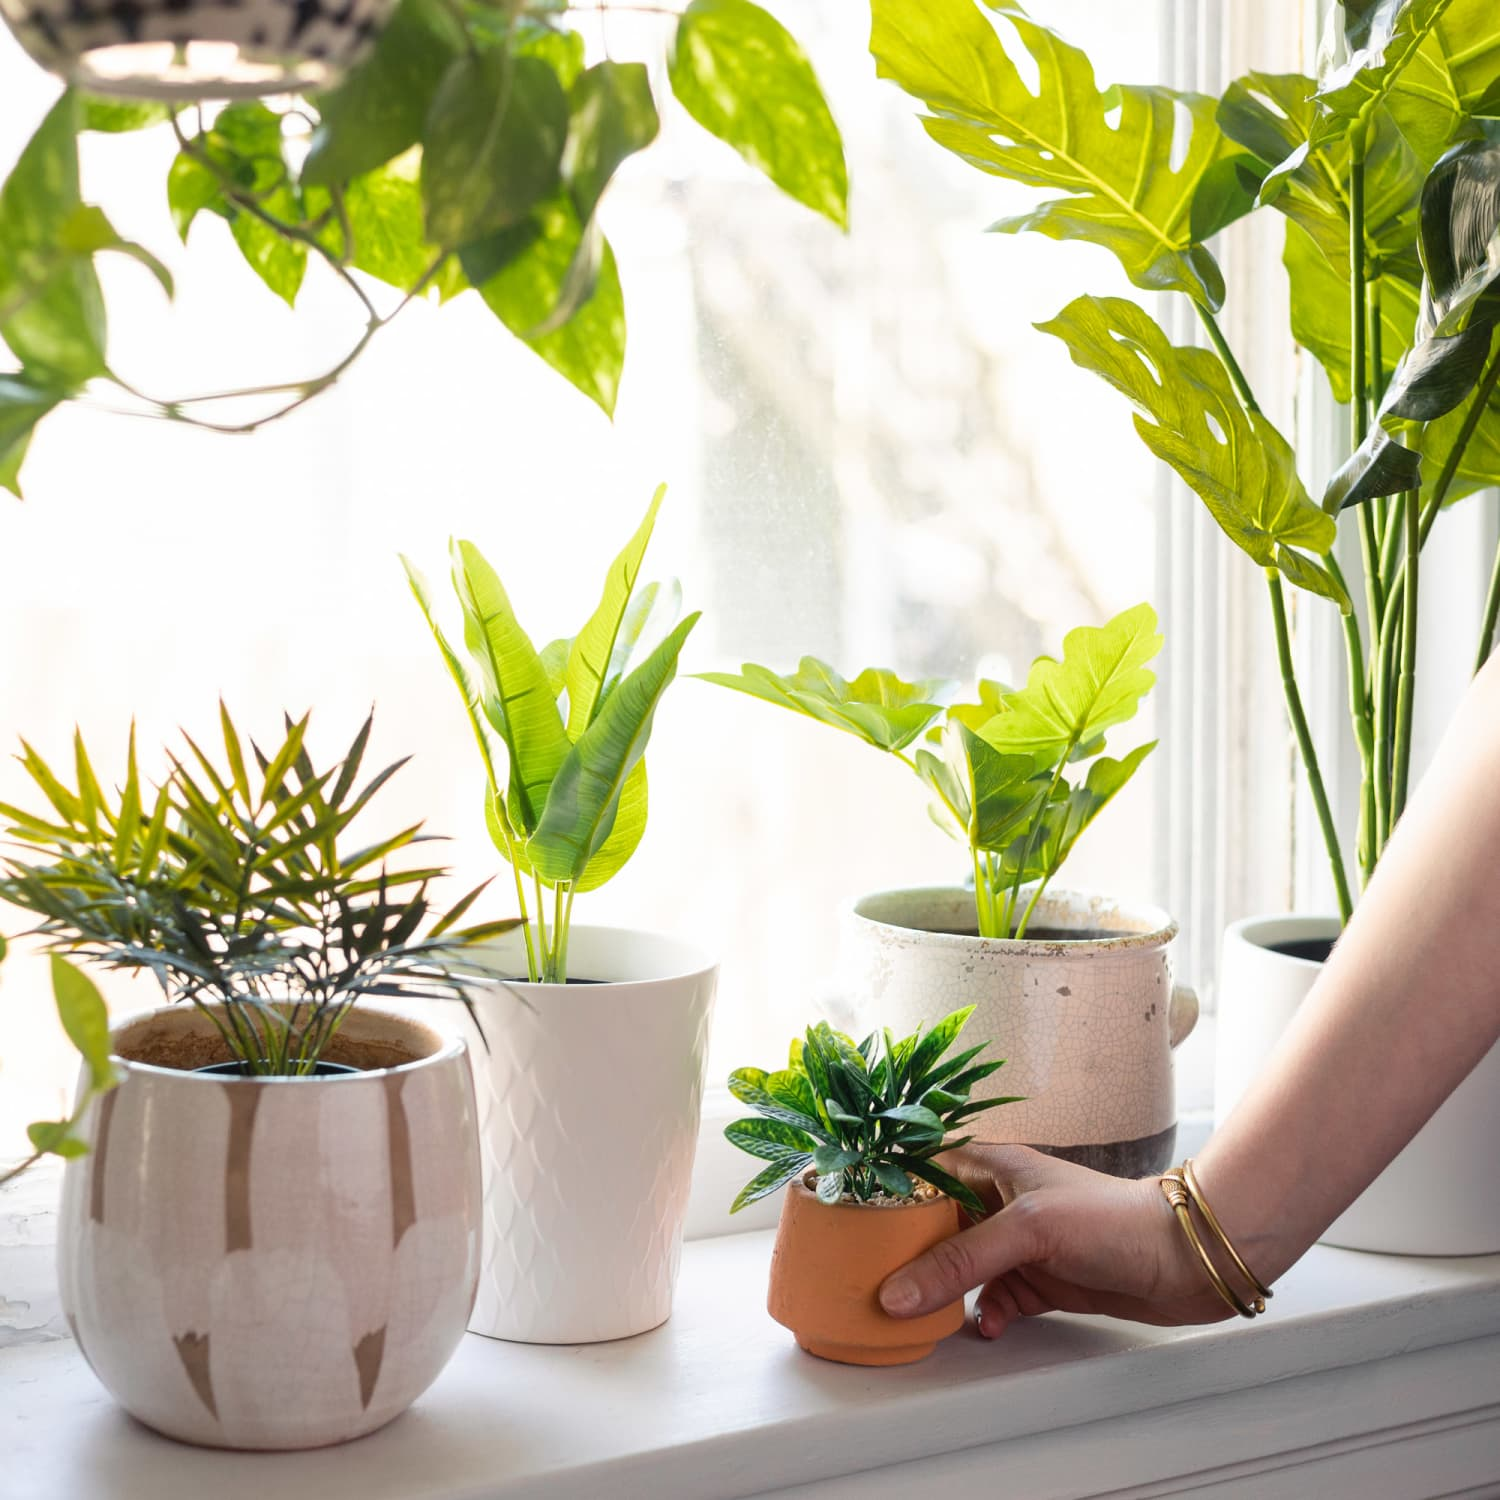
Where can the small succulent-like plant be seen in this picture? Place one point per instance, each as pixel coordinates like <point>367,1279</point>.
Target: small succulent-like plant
<point>868,1119</point>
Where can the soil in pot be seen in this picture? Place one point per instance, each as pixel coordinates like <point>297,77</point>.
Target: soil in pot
<point>1313,950</point>
<point>829,1263</point>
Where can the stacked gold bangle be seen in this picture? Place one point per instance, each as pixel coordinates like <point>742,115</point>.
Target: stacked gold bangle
<point>1181,1189</point>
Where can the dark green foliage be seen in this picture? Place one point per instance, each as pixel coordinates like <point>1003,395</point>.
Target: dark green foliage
<point>235,885</point>
<point>867,1119</point>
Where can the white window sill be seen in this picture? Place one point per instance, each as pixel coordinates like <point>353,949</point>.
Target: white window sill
<point>1372,1376</point>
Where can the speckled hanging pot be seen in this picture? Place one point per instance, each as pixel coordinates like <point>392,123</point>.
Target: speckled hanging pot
<point>196,49</point>
<point>1086,1015</point>
<point>273,1263</point>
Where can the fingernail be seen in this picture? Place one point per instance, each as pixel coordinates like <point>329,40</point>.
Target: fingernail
<point>899,1295</point>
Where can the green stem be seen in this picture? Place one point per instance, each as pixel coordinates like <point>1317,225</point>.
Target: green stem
<point>1491,611</point>
<point>1231,364</point>
<point>1384,667</point>
<point>1305,744</point>
<point>984,896</point>
<point>1406,690</point>
<point>1360,716</point>
<point>1041,887</point>
<point>541,929</point>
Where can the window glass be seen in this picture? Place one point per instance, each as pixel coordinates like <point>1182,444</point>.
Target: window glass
<point>872,455</point>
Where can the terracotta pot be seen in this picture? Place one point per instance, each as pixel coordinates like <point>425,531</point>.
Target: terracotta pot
<point>1086,1017</point>
<point>584,1202</point>
<point>827,1267</point>
<point>273,1263</point>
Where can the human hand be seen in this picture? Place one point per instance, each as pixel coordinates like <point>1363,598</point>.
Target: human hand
<point>1062,1238</point>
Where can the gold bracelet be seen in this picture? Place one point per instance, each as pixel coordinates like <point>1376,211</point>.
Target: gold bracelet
<point>1177,1195</point>
<point>1212,1219</point>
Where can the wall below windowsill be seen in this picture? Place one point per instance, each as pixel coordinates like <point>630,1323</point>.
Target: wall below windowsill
<point>1372,1374</point>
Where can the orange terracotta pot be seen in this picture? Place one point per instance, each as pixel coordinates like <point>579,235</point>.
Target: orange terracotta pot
<point>827,1267</point>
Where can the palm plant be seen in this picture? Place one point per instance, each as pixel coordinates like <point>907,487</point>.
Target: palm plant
<point>868,1119</point>
<point>232,884</point>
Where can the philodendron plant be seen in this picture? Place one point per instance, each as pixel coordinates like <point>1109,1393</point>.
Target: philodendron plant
<point>233,884</point>
<point>567,806</point>
<point>1017,776</point>
<point>471,149</point>
<point>1386,170</point>
<point>868,1119</point>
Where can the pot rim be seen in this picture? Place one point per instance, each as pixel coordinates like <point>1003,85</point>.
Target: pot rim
<point>696,962</point>
<point>1289,927</point>
<point>1159,927</point>
<point>450,1045</point>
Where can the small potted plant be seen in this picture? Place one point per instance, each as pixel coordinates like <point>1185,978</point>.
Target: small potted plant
<point>852,1132</point>
<point>273,1239</point>
<point>585,1205</point>
<point>1081,985</point>
<point>1383,169</point>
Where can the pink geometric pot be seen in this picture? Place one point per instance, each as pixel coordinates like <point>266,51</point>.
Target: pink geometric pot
<point>273,1263</point>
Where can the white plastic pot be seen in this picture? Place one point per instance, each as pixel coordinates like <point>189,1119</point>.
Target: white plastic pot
<point>1086,1017</point>
<point>1441,1195</point>
<point>589,1102</point>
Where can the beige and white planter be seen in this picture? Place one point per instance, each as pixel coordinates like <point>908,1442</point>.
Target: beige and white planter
<point>1086,1024</point>
<point>589,1102</point>
<point>1441,1195</point>
<point>279,1263</point>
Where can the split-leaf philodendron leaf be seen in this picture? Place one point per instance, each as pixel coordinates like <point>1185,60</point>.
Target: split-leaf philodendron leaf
<point>1001,785</point>
<point>1110,150</point>
<point>562,731</point>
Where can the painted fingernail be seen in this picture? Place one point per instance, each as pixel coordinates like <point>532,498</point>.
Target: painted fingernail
<point>899,1295</point>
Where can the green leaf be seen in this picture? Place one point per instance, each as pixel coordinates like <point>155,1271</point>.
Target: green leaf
<point>192,187</point>
<point>522,276</point>
<point>937,1041</point>
<point>877,707</point>
<point>51,307</point>
<point>742,76</point>
<point>830,1187</point>
<point>922,1120</point>
<point>384,209</point>
<point>624,838</point>
<point>116,116</point>
<point>1237,463</point>
<point>769,1139</point>
<point>892,1179</point>
<point>379,108</point>
<point>85,1019</point>
<point>961,1194</point>
<point>1000,790</point>
<point>87,231</point>
<point>1467,42</point>
<point>279,262</point>
<point>23,403</point>
<point>585,795</point>
<point>516,696</point>
<point>594,646</point>
<point>775,1177</point>
<point>1098,683</point>
<point>612,116</point>
<point>748,1086</point>
<point>56,1138</point>
<point>830,1159</point>
<point>492,146</point>
<point>1111,152</point>
<point>554,656</point>
<point>793,1087</point>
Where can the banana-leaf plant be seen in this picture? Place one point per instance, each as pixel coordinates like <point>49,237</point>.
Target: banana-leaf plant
<point>233,884</point>
<point>562,732</point>
<point>868,1119</point>
<point>471,149</point>
<point>1016,776</point>
<point>1386,170</point>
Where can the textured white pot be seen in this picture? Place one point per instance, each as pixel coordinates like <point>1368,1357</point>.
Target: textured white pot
<point>589,1099</point>
<point>1441,1195</point>
<point>1086,1025</point>
<point>279,1263</point>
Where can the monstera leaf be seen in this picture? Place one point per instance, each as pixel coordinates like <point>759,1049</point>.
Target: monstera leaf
<point>877,707</point>
<point>1110,151</point>
<point>1098,683</point>
<point>1460,228</point>
<point>1237,463</point>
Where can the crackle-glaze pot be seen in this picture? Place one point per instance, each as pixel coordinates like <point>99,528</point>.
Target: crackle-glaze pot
<point>1086,1017</point>
<point>273,1263</point>
<point>589,1104</point>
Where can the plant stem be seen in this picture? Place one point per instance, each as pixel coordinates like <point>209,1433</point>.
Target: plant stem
<point>1361,717</point>
<point>1491,611</point>
<point>1406,690</point>
<point>1231,364</point>
<point>20,1167</point>
<point>984,896</point>
<point>541,929</point>
<point>1305,744</point>
<point>1384,667</point>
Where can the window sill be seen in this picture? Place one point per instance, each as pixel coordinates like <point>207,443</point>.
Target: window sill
<point>1375,1374</point>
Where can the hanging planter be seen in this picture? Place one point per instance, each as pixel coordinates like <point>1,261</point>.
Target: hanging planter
<point>196,49</point>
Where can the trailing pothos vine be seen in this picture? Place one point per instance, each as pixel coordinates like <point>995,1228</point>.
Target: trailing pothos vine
<point>470,150</point>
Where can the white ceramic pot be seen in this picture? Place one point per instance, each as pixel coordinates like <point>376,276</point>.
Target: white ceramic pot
<point>1441,1195</point>
<point>194,49</point>
<point>589,1103</point>
<point>1085,1017</point>
<point>273,1263</point>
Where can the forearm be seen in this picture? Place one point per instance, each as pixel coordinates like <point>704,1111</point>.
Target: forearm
<point>1406,1006</point>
